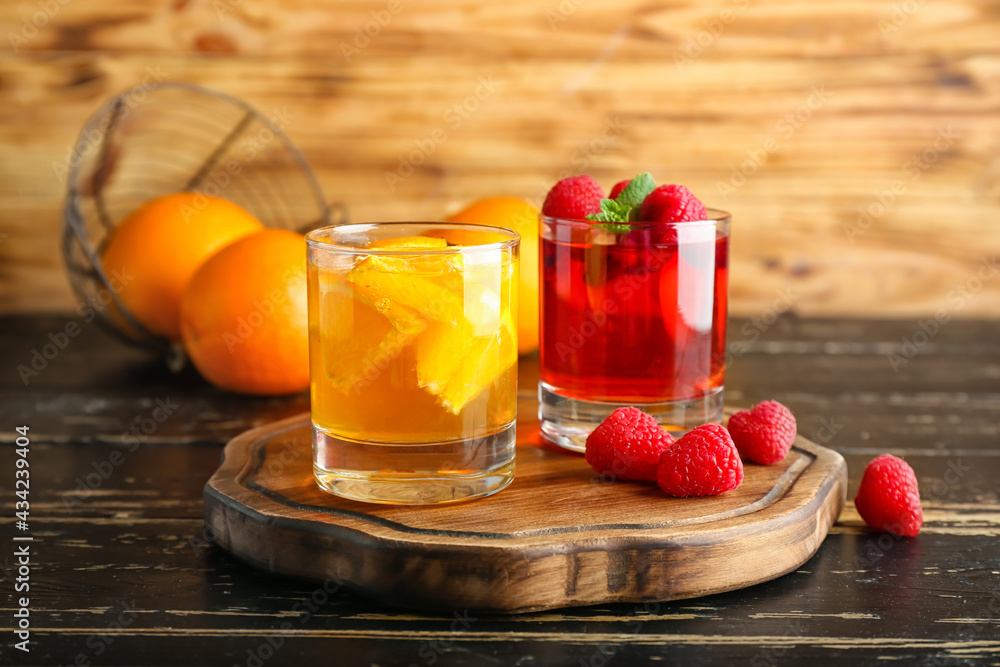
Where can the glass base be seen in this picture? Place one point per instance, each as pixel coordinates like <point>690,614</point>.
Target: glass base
<point>414,474</point>
<point>568,421</point>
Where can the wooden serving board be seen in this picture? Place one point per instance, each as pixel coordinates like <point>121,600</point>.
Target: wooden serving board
<point>556,537</point>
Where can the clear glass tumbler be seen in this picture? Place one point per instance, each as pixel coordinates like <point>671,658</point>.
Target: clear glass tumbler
<point>413,357</point>
<point>632,317</point>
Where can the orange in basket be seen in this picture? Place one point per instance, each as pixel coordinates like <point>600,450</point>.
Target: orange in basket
<point>152,254</point>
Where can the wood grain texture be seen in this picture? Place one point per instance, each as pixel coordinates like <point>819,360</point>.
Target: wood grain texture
<point>136,541</point>
<point>558,537</point>
<point>600,86</point>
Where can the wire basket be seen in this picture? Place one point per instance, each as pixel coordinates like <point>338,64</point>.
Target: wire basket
<point>153,140</point>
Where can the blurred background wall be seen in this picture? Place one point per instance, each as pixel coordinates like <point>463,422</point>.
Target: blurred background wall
<point>857,144</point>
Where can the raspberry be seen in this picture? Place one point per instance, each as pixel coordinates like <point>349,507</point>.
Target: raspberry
<point>619,186</point>
<point>704,462</point>
<point>627,445</point>
<point>672,203</point>
<point>888,498</point>
<point>573,198</point>
<point>763,434</point>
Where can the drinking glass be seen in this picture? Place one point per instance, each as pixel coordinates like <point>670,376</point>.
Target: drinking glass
<point>632,317</point>
<point>413,360</point>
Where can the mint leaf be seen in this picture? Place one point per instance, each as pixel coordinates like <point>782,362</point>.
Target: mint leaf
<point>611,211</point>
<point>619,228</point>
<point>617,212</point>
<point>603,217</point>
<point>611,207</point>
<point>636,191</point>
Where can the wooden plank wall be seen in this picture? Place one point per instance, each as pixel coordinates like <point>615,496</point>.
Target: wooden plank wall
<point>795,115</point>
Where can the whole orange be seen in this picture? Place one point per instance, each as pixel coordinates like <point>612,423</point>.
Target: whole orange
<point>153,252</point>
<point>244,318</point>
<point>522,217</point>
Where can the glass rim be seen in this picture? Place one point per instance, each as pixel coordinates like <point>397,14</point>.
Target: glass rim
<point>715,216</point>
<point>514,238</point>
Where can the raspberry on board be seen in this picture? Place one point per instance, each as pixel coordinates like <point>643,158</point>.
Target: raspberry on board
<point>672,203</point>
<point>889,498</point>
<point>704,462</point>
<point>573,198</point>
<point>765,433</point>
<point>627,445</point>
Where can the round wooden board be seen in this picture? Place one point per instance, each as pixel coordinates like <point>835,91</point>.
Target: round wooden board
<point>558,536</point>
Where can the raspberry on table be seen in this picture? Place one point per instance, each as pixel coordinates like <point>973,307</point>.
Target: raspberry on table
<point>672,203</point>
<point>889,498</point>
<point>573,198</point>
<point>765,433</point>
<point>704,462</point>
<point>627,445</point>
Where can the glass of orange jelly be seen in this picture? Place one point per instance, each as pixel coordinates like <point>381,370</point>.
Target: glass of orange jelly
<point>413,360</point>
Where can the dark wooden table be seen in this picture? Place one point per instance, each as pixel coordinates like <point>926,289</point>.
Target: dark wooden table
<point>120,573</point>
